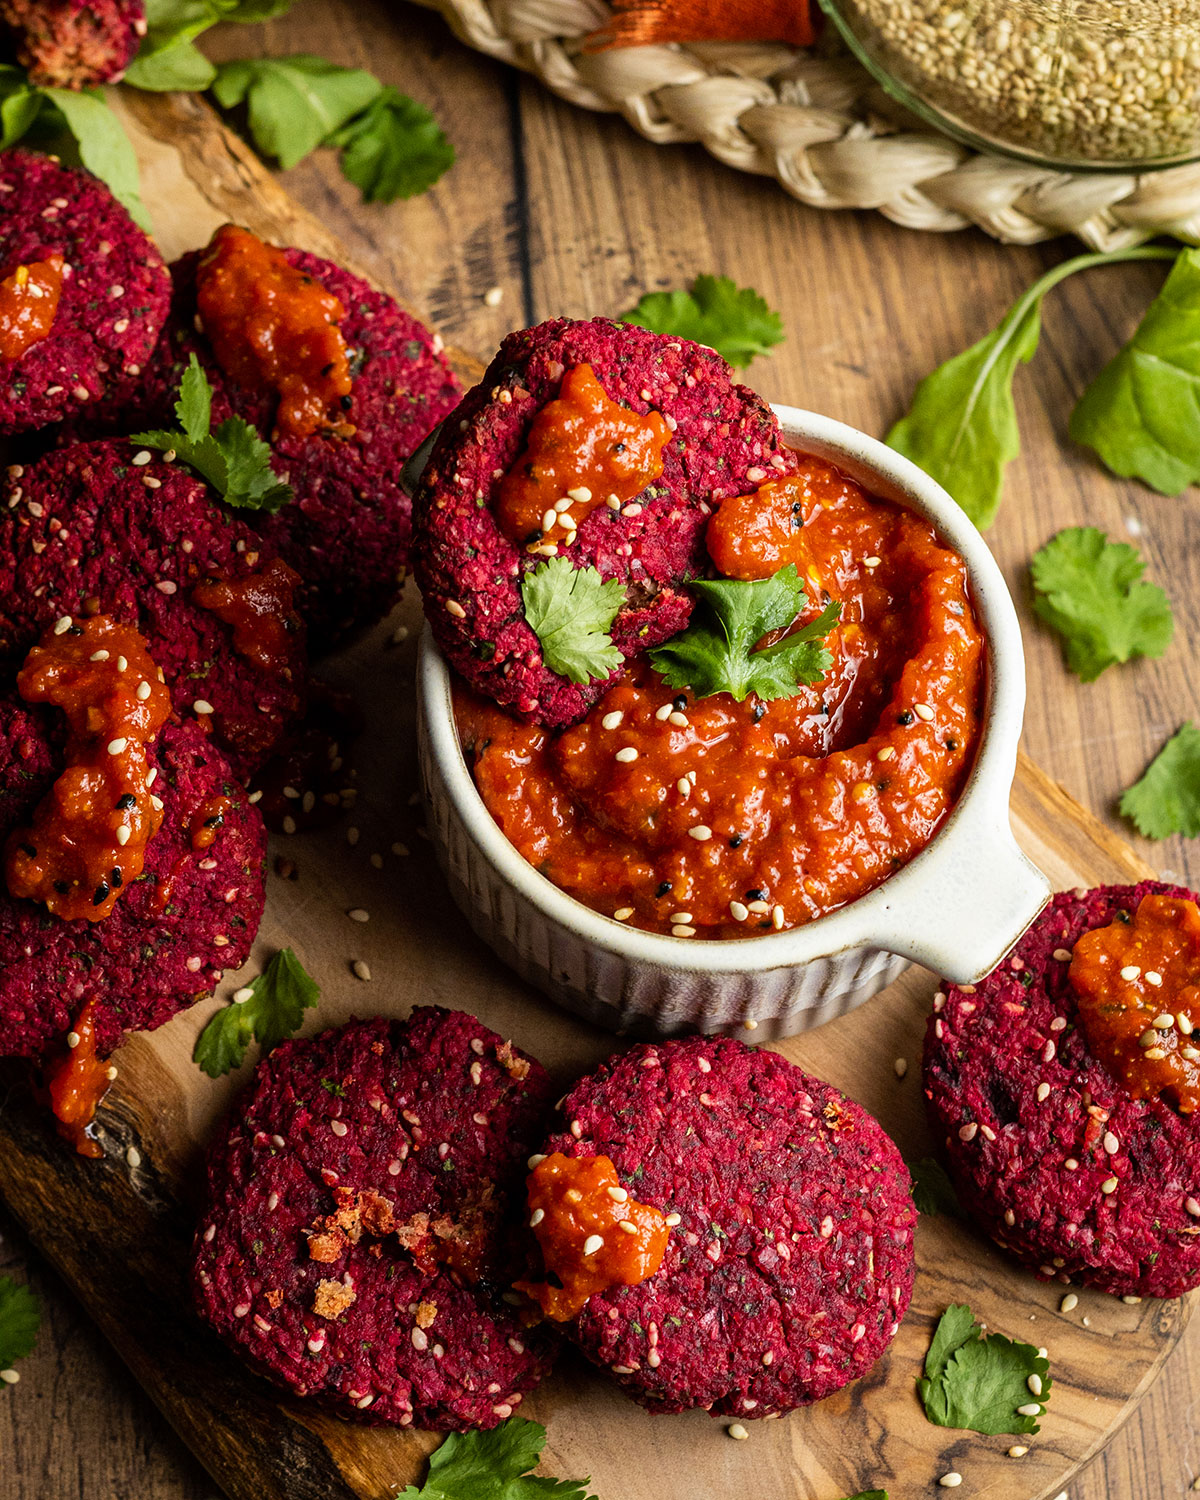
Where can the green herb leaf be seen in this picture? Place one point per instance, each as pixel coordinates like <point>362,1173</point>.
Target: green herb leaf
<point>179,66</point>
<point>19,104</point>
<point>571,611</point>
<point>978,1383</point>
<point>869,1495</point>
<point>103,146</point>
<point>393,149</point>
<point>1167,798</point>
<point>493,1466</point>
<point>716,653</point>
<point>962,425</point>
<point>734,321</point>
<point>168,57</point>
<point>932,1191</point>
<point>294,103</point>
<point>279,996</point>
<point>1090,590</point>
<point>234,459</point>
<point>20,1318</point>
<point>1140,412</point>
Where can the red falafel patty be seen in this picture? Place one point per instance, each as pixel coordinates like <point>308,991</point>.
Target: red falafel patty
<point>789,1263</point>
<point>191,914</point>
<point>560,403</point>
<point>358,1234</point>
<point>83,292</point>
<point>74,44</point>
<point>1052,1154</point>
<point>110,528</point>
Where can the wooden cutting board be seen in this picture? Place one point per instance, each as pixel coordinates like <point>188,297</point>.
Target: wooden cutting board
<point>119,1229</point>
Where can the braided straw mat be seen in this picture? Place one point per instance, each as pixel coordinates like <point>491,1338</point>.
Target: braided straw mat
<point>815,120</point>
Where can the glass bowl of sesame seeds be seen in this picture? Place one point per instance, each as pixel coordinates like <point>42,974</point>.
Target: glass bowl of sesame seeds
<point>1109,84</point>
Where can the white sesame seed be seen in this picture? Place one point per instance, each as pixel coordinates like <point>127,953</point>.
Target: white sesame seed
<point>1063,955</point>
<point>682,930</point>
<point>1034,1382</point>
<point>631,510</point>
<point>420,1340</point>
<point>612,720</point>
<point>886,752</point>
<point>701,833</point>
<point>133,1156</point>
<point>627,754</point>
<point>900,1066</point>
<point>1030,1409</point>
<point>1153,977</point>
<point>738,1432</point>
<point>923,711</point>
<point>1131,1301</point>
<point>1165,1022</point>
<point>1069,1303</point>
<point>737,911</point>
<point>141,457</point>
<point>123,834</point>
<point>73,1039</point>
<point>872,562</point>
<point>777,918</point>
<point>680,916</point>
<point>98,656</point>
<point>10,1377</point>
<point>593,1243</point>
<point>950,1481</point>
<point>627,1225</point>
<point>1184,1022</point>
<point>661,712</point>
<point>357,914</point>
<point>115,747</point>
<point>1193,1207</point>
<point>1130,972</point>
<point>1018,1450</point>
<point>535,1161</point>
<point>618,1194</point>
<point>968,1132</point>
<point>1109,1185</point>
<point>62,625</point>
<point>202,706</point>
<point>671,1220</point>
<point>121,664</point>
<point>143,691</point>
<point>339,1127</point>
<point>289,824</point>
<point>493,296</point>
<point>165,586</point>
<point>623,914</point>
<point>361,968</point>
<point>453,607</point>
<point>678,719</point>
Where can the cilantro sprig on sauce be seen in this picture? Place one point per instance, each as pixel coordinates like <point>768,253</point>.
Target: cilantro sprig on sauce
<point>988,1385</point>
<point>718,652</point>
<point>233,459</point>
<point>494,1465</point>
<point>20,1318</point>
<point>270,1008</point>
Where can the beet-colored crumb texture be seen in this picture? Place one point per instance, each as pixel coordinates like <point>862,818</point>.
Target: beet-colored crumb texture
<point>359,1230</point>
<point>790,1260</point>
<point>108,528</point>
<point>1050,1154</point>
<point>83,292</point>
<point>721,440</point>
<point>74,44</point>
<point>193,912</point>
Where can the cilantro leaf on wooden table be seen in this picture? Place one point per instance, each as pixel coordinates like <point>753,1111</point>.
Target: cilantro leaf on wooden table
<point>20,1318</point>
<point>273,1008</point>
<point>932,1191</point>
<point>1091,591</point>
<point>714,311</point>
<point>493,1466</point>
<point>1166,799</point>
<point>168,57</point>
<point>294,104</point>
<point>233,459</point>
<point>962,425</point>
<point>1141,414</point>
<point>571,611</point>
<point>869,1495</point>
<point>981,1383</point>
<point>393,149</point>
<point>716,653</point>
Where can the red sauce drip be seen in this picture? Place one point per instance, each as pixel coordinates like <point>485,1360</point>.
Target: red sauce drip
<point>258,608</point>
<point>208,821</point>
<point>274,326</point>
<point>1141,1027</point>
<point>87,841</point>
<point>812,800</point>
<point>572,1203</point>
<point>582,447</point>
<point>28,304</point>
<point>76,1082</point>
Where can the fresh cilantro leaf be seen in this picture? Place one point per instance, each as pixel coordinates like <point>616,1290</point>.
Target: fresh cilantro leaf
<point>1090,590</point>
<point>233,459</point>
<point>977,1383</point>
<point>869,1495</point>
<point>393,149</point>
<point>571,611</point>
<point>100,140</point>
<point>962,425</point>
<point>716,653</point>
<point>1167,798</point>
<point>20,1317</point>
<point>714,311</point>
<point>932,1191</point>
<point>294,103</point>
<point>168,57</point>
<point>1142,412</point>
<point>278,998</point>
<point>493,1466</point>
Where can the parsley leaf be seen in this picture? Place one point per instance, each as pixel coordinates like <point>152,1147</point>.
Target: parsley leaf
<point>168,57</point>
<point>278,998</point>
<point>234,459</point>
<point>977,1383</point>
<point>932,1191</point>
<point>1090,590</point>
<point>1167,798</point>
<point>20,1317</point>
<point>393,149</point>
<point>571,611</point>
<point>1140,412</point>
<point>714,311</point>
<point>962,425</point>
<point>716,653</point>
<point>294,103</point>
<point>493,1466</point>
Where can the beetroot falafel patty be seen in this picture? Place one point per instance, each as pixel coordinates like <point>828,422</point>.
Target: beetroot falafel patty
<point>357,1238</point>
<point>62,233</point>
<point>108,528</point>
<point>74,44</point>
<point>193,912</point>
<point>1050,1154</point>
<point>723,441</point>
<point>790,1263</point>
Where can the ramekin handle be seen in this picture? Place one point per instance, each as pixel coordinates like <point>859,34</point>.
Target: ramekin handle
<point>962,923</point>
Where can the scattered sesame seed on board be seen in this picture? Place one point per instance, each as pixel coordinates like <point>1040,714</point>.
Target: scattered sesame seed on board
<point>738,1431</point>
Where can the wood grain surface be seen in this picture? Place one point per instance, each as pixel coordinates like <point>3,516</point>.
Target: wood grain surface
<point>568,212</point>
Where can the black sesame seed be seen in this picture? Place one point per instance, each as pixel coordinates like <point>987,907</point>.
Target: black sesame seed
<point>680,703</point>
<point>736,840</point>
<point>101,895</point>
<point>756,894</point>
<point>663,890</point>
<point>758,710</point>
<point>905,716</point>
<point>115,878</point>
<point>126,801</point>
<point>61,887</point>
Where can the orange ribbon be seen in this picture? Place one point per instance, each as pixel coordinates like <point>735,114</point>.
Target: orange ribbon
<point>638,23</point>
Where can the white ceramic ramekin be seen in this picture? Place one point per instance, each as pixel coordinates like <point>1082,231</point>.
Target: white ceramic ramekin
<point>957,907</point>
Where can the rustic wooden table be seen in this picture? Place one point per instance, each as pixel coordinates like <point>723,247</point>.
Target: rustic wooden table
<point>568,212</point>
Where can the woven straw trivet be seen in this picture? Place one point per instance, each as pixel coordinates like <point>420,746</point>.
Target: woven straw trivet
<point>816,121</point>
